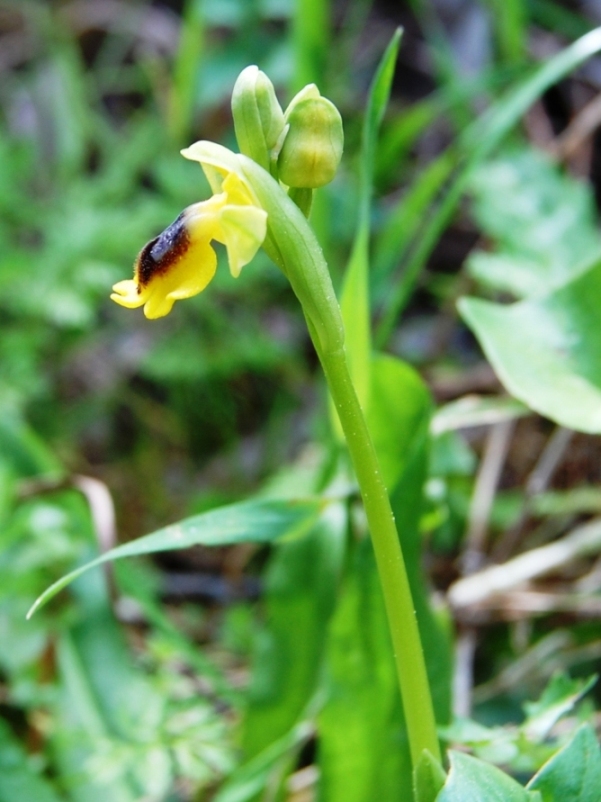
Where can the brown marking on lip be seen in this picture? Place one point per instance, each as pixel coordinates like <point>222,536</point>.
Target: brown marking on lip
<point>158,255</point>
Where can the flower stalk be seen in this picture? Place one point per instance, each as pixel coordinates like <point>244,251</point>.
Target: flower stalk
<point>291,243</point>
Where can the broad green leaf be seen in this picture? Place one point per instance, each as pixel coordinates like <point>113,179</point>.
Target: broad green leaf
<point>19,782</point>
<point>354,301</point>
<point>541,221</point>
<point>472,780</point>
<point>574,773</point>
<point>250,521</point>
<point>363,753</point>
<point>398,409</point>
<point>547,351</point>
<point>301,585</point>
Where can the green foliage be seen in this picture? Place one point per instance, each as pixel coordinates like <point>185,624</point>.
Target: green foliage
<point>541,221</point>
<point>545,349</point>
<point>355,301</point>
<point>574,773</point>
<point>526,747</point>
<point>19,778</point>
<point>301,584</point>
<point>571,774</point>
<point>363,747</point>
<point>472,780</point>
<point>254,521</point>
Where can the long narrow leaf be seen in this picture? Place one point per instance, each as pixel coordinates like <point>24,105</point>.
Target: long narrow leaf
<point>355,294</point>
<point>251,521</point>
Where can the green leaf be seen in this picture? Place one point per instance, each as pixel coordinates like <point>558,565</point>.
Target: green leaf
<point>251,521</point>
<point>547,351</point>
<point>542,221</point>
<point>398,417</point>
<point>363,751</point>
<point>574,773</point>
<point>301,585</point>
<point>558,698</point>
<point>472,780</point>
<point>428,778</point>
<point>354,301</point>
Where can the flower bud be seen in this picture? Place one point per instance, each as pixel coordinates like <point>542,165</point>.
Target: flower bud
<point>312,148</point>
<point>258,117</point>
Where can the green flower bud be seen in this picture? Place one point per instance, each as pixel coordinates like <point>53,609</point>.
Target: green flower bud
<point>258,117</point>
<point>312,147</point>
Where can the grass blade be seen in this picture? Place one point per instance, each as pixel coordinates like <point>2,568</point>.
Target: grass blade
<point>251,521</point>
<point>355,294</point>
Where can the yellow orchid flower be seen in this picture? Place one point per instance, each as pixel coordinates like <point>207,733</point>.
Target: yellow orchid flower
<point>180,262</point>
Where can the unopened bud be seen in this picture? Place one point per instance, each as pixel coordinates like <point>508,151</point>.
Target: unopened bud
<point>258,117</point>
<point>312,148</point>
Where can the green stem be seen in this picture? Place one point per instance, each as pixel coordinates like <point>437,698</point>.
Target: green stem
<point>292,245</point>
<point>406,642</point>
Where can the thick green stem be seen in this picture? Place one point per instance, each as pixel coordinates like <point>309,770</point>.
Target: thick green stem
<point>406,642</point>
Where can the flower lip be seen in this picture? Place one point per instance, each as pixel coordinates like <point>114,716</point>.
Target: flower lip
<point>161,252</point>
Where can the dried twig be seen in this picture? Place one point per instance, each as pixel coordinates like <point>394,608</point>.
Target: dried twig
<point>491,466</point>
<point>539,478</point>
<point>480,587</point>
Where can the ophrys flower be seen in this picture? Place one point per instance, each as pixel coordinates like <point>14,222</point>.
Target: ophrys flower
<point>181,261</point>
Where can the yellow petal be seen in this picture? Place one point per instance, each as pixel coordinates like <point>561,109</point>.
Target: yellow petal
<point>219,164</point>
<point>201,219</point>
<point>242,231</point>
<point>126,294</point>
<point>219,157</point>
